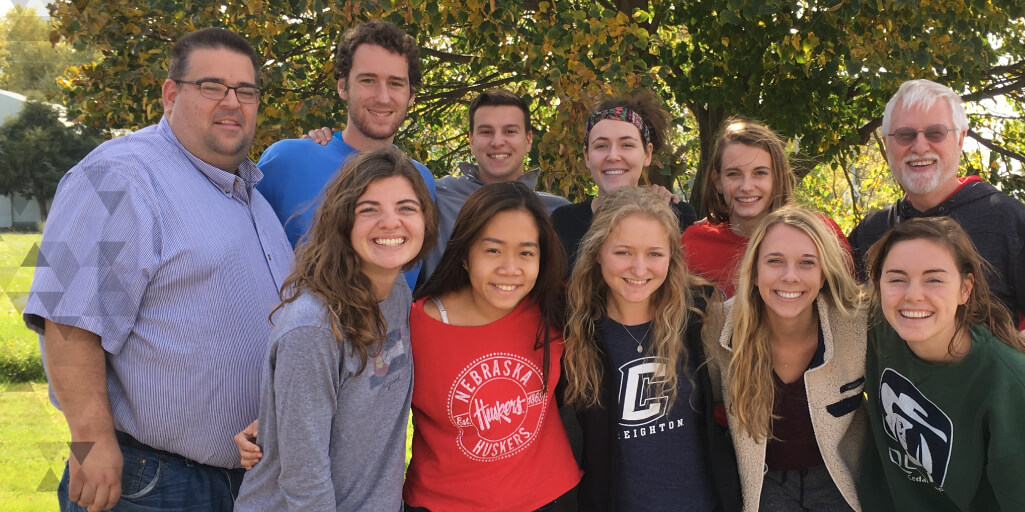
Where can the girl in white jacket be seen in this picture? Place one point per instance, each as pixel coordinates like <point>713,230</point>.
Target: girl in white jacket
<point>791,359</point>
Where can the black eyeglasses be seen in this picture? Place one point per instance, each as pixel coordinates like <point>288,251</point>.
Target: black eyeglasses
<point>905,136</point>
<point>214,90</point>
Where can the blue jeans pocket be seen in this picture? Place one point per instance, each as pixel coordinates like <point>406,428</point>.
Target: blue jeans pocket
<point>140,474</point>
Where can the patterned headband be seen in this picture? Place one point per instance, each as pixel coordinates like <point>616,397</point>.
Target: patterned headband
<point>622,114</point>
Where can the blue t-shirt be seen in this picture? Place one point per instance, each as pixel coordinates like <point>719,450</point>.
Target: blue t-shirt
<point>295,173</point>
<point>662,464</point>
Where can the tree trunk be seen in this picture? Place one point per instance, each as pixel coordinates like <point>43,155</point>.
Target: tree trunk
<point>709,121</point>
<point>43,212</point>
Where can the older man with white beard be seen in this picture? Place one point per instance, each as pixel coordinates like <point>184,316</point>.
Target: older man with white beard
<point>925,125</point>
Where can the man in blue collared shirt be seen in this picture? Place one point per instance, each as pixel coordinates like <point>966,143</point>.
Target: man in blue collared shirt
<point>159,265</point>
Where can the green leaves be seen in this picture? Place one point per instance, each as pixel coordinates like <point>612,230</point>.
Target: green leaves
<point>817,69</point>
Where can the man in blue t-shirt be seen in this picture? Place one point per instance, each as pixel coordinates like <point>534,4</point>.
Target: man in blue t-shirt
<point>378,70</point>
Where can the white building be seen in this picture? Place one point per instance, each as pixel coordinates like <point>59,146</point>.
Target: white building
<point>16,210</point>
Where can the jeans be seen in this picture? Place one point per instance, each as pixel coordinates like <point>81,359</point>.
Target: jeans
<point>158,481</point>
<point>805,490</point>
<point>406,508</point>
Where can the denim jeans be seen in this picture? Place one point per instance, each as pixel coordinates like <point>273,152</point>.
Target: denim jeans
<point>805,490</point>
<point>151,481</point>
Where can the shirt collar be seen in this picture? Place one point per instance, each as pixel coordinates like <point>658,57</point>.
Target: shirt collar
<point>528,178</point>
<point>241,184</point>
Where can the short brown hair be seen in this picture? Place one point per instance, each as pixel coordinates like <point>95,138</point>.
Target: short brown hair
<point>209,38</point>
<point>500,97</point>
<point>383,34</point>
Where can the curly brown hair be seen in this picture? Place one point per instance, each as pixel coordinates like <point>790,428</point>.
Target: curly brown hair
<point>327,265</point>
<point>383,34</point>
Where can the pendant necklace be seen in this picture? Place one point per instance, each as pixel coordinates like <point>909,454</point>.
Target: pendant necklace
<point>637,341</point>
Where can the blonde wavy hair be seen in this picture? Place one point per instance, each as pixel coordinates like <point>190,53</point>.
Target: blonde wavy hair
<point>587,300</point>
<point>751,388</point>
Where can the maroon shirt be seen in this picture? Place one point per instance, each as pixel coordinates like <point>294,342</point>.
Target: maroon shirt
<point>793,445</point>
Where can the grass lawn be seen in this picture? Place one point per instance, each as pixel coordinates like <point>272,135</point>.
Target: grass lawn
<point>33,434</point>
<point>33,448</point>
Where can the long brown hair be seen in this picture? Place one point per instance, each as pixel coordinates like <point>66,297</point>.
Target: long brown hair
<point>327,265</point>
<point>751,388</point>
<point>673,302</point>
<point>982,308</point>
<point>737,130</point>
<point>479,209</point>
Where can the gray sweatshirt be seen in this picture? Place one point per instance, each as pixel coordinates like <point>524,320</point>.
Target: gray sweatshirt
<point>331,439</point>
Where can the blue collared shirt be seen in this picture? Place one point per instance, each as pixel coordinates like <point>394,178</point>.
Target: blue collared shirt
<point>176,265</point>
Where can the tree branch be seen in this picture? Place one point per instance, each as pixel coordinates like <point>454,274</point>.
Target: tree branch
<point>994,147</point>
<point>446,56</point>
<point>866,131</point>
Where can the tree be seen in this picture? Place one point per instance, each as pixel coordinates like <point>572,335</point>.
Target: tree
<point>818,71</point>
<point>29,63</point>
<point>37,149</point>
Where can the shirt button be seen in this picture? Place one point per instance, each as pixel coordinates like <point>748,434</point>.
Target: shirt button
<point>269,257</point>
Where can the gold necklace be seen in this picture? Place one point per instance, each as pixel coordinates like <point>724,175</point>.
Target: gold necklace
<point>640,348</point>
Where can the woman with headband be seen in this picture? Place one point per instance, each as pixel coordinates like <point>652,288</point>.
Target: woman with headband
<point>621,137</point>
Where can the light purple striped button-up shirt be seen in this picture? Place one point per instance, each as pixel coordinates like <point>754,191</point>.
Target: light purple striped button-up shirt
<point>175,264</point>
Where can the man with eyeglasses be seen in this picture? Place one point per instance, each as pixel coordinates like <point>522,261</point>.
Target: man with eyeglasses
<point>925,125</point>
<point>158,267</point>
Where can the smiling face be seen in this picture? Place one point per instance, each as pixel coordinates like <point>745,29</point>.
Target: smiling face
<point>924,167</point>
<point>920,289</point>
<point>616,155</point>
<point>388,229</point>
<point>746,184</point>
<point>499,142</point>
<point>218,132</point>
<point>634,263</point>
<point>503,263</point>
<point>789,273</point>
<point>378,94</point>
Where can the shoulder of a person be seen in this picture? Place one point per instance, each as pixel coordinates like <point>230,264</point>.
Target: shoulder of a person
<point>307,310</point>
<point>400,296</point>
<point>575,210</point>
<point>683,208</point>
<point>1011,361</point>
<point>122,163</point>
<point>877,221</point>
<point>456,186</point>
<point>982,190</point>
<point>289,145</point>
<point>717,312</point>
<point>849,331</point>
<point>552,199</point>
<point>288,149</point>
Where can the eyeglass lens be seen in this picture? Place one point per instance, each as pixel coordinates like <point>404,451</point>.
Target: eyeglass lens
<point>217,91</point>
<point>935,133</point>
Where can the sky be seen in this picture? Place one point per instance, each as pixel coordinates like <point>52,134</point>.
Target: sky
<point>39,5</point>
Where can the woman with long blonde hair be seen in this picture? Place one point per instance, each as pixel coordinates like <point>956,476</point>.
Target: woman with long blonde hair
<point>790,355</point>
<point>632,366</point>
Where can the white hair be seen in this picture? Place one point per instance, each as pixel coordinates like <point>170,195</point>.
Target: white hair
<point>922,94</point>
